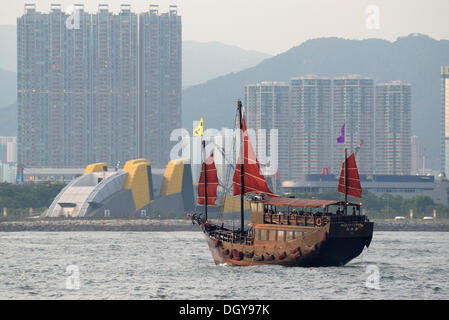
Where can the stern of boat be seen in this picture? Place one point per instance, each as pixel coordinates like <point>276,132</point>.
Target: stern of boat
<point>347,237</point>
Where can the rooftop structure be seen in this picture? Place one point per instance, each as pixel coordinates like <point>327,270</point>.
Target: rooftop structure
<point>133,191</point>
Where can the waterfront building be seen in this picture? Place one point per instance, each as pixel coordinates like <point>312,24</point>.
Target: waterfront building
<point>137,190</point>
<point>54,98</point>
<point>8,172</point>
<point>79,77</point>
<point>32,91</point>
<point>406,186</point>
<point>393,128</point>
<point>8,149</point>
<point>160,71</point>
<point>311,125</point>
<point>77,107</point>
<point>125,111</point>
<point>267,108</point>
<point>353,105</point>
<point>57,143</point>
<point>115,85</point>
<point>444,125</point>
<point>103,97</point>
<point>416,155</point>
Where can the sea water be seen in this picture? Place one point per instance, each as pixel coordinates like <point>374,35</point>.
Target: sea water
<point>178,265</point>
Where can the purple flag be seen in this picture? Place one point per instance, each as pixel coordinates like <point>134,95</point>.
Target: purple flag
<point>341,138</point>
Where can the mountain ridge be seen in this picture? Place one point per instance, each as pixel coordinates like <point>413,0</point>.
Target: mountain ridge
<point>415,59</point>
<point>203,61</point>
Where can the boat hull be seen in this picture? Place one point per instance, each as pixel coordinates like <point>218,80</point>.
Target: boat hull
<point>330,245</point>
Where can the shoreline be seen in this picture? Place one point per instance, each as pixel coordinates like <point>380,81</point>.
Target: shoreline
<point>74,225</point>
<point>170,225</point>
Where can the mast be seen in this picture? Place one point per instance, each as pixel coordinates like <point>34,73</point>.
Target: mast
<point>205,179</point>
<point>346,181</point>
<point>242,174</point>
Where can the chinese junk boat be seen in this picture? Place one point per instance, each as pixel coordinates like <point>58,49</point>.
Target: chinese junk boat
<point>283,231</point>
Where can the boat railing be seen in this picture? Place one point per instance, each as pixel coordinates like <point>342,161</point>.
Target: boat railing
<point>311,220</point>
<point>231,236</point>
<point>295,219</point>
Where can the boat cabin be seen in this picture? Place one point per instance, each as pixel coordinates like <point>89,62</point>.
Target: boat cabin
<point>282,219</point>
<point>301,212</point>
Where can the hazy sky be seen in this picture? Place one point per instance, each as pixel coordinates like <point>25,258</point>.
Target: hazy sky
<point>275,26</point>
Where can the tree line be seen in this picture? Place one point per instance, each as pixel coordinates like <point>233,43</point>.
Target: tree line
<point>35,196</point>
<point>17,198</point>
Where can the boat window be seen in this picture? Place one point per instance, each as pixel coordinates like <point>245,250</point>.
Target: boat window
<point>290,235</point>
<point>272,234</point>
<point>263,235</point>
<point>257,235</point>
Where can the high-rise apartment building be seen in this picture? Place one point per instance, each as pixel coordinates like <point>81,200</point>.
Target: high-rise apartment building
<point>353,106</point>
<point>57,142</point>
<point>79,77</point>
<point>160,72</point>
<point>115,78</point>
<point>267,108</point>
<point>309,114</point>
<point>311,125</point>
<point>8,149</point>
<point>103,98</point>
<point>32,86</point>
<point>415,155</point>
<point>125,113</point>
<point>444,156</point>
<point>393,128</point>
<point>54,88</point>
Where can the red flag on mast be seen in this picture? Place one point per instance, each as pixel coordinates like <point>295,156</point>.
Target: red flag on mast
<point>212,182</point>
<point>254,181</point>
<point>354,188</point>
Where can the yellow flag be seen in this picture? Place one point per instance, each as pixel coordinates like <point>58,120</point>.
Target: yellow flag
<point>198,131</point>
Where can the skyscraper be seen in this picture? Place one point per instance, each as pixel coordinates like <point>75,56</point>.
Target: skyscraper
<point>444,156</point>
<point>8,149</point>
<point>267,108</point>
<point>114,85</point>
<point>160,73</point>
<point>125,85</point>
<point>102,84</point>
<point>393,128</point>
<point>416,155</point>
<point>353,105</point>
<point>54,88</point>
<point>57,94</point>
<point>32,86</point>
<point>79,77</point>
<point>311,125</point>
<point>308,114</point>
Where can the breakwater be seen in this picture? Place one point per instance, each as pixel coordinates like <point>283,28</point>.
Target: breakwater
<point>148,225</point>
<point>97,225</point>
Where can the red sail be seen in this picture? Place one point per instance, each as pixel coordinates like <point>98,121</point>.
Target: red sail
<point>354,187</point>
<point>212,182</point>
<point>254,181</point>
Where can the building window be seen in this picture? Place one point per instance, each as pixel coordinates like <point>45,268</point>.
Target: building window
<point>281,235</point>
